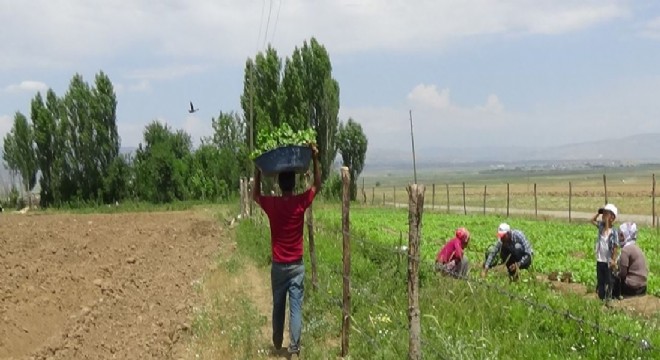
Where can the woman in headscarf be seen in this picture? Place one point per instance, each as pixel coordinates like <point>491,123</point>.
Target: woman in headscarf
<point>451,258</point>
<point>633,270</point>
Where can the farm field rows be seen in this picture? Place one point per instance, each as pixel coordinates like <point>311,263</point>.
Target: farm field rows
<point>458,320</point>
<point>94,286</point>
<point>558,246</point>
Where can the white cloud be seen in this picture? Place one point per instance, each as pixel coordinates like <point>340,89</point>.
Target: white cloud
<point>42,33</point>
<point>142,85</point>
<point>6,122</point>
<point>28,86</point>
<point>651,29</point>
<point>436,120</point>
<point>165,72</point>
<point>197,128</point>
<point>428,95</point>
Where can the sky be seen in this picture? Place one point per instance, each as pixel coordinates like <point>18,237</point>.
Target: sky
<point>473,73</point>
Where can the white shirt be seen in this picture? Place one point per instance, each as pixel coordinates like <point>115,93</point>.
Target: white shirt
<point>602,250</point>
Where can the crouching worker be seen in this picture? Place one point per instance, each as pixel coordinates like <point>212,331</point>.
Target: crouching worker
<point>451,259</point>
<point>286,216</point>
<point>633,270</point>
<point>514,250</point>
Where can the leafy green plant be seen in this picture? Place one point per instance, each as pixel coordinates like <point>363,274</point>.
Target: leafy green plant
<point>282,136</point>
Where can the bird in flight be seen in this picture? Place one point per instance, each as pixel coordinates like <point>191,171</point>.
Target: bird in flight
<point>192,109</point>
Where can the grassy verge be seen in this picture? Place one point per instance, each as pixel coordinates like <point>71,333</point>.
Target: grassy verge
<point>459,320</point>
<point>229,325</point>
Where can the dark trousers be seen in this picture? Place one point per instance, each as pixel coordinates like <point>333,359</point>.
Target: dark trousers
<point>621,289</point>
<point>510,257</point>
<point>604,280</point>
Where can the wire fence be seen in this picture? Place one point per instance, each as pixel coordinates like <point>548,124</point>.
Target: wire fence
<point>635,197</point>
<point>386,257</point>
<point>398,253</point>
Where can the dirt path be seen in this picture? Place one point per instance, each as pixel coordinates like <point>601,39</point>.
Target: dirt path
<point>101,286</point>
<point>647,306</point>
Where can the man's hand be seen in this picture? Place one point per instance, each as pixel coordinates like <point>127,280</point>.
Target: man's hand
<point>612,264</point>
<point>513,267</point>
<point>315,150</point>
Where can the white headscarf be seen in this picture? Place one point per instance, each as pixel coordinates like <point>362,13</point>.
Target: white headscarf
<point>629,231</point>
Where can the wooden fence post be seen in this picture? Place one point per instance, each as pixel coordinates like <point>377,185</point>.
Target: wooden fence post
<point>464,208</point>
<point>373,195</point>
<point>433,197</point>
<point>485,187</point>
<point>536,203</point>
<point>312,247</point>
<point>248,196</point>
<point>605,187</point>
<point>383,198</point>
<point>447,198</point>
<point>653,201</point>
<point>415,210</point>
<point>507,199</point>
<point>242,192</point>
<point>394,200</point>
<point>364,194</point>
<point>345,223</point>
<point>570,201</point>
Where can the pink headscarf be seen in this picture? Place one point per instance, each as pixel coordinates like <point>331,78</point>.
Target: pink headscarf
<point>463,235</point>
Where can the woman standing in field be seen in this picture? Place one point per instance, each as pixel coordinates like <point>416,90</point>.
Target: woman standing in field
<point>605,248</point>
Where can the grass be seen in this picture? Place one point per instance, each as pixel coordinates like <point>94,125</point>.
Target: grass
<point>459,321</point>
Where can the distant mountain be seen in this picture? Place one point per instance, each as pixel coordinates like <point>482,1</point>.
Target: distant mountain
<point>634,149</point>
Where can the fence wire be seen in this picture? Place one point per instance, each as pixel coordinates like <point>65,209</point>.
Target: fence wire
<point>402,253</point>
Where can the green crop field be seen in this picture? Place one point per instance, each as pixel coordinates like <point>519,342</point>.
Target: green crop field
<point>460,320</point>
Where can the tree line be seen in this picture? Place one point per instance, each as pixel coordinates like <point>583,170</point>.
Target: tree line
<point>70,144</point>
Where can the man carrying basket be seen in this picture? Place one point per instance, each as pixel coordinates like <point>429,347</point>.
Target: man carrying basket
<point>286,215</point>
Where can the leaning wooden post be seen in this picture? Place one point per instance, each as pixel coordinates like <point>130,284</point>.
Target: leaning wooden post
<point>415,210</point>
<point>653,201</point>
<point>536,203</point>
<point>248,197</point>
<point>605,187</point>
<point>507,200</point>
<point>485,187</point>
<point>243,194</point>
<point>345,223</point>
<point>383,198</point>
<point>364,194</point>
<point>570,201</point>
<point>464,208</point>
<point>373,195</point>
<point>433,197</point>
<point>447,198</point>
<point>309,214</point>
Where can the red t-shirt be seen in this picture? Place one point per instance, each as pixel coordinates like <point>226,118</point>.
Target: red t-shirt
<point>453,250</point>
<point>286,215</point>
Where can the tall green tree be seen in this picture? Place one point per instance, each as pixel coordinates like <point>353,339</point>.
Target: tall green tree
<point>261,85</point>
<point>44,121</point>
<point>104,112</point>
<point>161,166</point>
<point>310,98</point>
<point>80,154</point>
<point>20,153</point>
<point>229,138</point>
<point>352,144</point>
